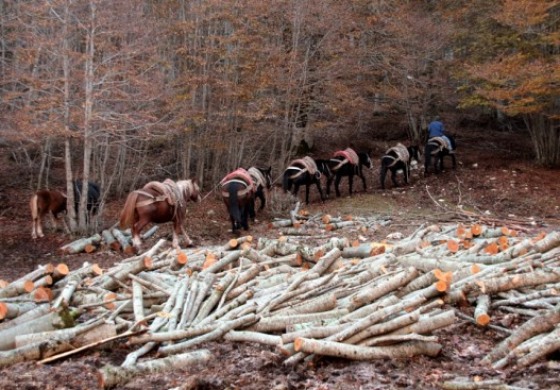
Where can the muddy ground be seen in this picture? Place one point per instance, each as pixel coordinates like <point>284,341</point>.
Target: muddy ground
<point>495,181</point>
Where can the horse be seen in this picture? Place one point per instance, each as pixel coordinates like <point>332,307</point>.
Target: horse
<point>438,147</point>
<point>305,171</point>
<point>397,158</point>
<point>54,202</point>
<point>347,163</point>
<point>158,203</point>
<point>238,193</point>
<point>262,178</point>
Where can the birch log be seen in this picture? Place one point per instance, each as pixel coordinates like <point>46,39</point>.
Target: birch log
<point>110,376</point>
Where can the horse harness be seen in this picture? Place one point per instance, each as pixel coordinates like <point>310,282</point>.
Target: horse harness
<point>302,165</point>
<point>168,191</point>
<point>439,143</point>
<point>397,153</point>
<point>348,156</point>
<point>240,176</point>
<point>258,177</point>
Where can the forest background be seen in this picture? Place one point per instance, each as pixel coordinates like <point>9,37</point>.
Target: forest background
<point>98,89</point>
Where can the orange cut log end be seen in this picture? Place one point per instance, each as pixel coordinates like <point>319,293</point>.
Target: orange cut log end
<point>298,344</point>
<point>441,286</point>
<point>3,310</point>
<point>61,269</point>
<point>182,258</point>
<point>483,319</point>
<point>40,294</point>
<point>28,286</point>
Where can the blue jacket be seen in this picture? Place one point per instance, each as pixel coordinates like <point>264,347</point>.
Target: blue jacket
<point>435,129</point>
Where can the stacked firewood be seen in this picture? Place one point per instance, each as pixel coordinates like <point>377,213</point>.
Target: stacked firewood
<point>307,294</point>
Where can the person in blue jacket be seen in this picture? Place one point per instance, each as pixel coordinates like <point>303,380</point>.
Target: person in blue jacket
<point>436,129</point>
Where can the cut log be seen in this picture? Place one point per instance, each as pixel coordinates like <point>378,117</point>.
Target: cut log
<point>111,376</point>
<point>59,319</point>
<point>354,352</point>
<point>534,326</point>
<point>17,288</point>
<point>80,245</point>
<point>481,312</point>
<point>124,242</point>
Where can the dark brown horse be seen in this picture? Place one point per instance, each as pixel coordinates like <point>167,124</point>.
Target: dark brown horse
<point>54,202</point>
<point>159,203</point>
<point>238,192</point>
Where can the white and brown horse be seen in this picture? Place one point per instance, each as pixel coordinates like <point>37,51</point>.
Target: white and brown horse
<point>159,203</point>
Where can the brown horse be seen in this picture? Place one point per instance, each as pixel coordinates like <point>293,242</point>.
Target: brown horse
<point>54,201</point>
<point>159,203</point>
<point>43,202</point>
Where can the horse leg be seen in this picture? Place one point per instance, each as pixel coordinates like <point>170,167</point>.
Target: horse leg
<point>394,177</point>
<point>260,195</point>
<point>350,184</point>
<point>307,194</point>
<point>318,184</point>
<point>136,229</point>
<point>454,160</point>
<point>382,175</point>
<point>363,177</point>
<point>329,183</point>
<point>179,228</point>
<point>406,173</point>
<point>336,184</point>
<point>245,217</point>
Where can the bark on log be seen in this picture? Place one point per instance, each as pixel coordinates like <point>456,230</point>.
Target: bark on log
<point>110,376</point>
<point>59,319</point>
<point>124,242</point>
<point>529,329</point>
<point>354,352</point>
<point>527,279</point>
<point>110,240</point>
<point>481,311</point>
<point>80,245</point>
<point>215,334</point>
<point>381,288</point>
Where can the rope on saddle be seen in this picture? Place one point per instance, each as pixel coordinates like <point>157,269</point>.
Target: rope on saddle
<point>302,165</point>
<point>439,143</point>
<point>258,177</point>
<point>399,152</point>
<point>240,176</point>
<point>348,156</point>
<point>167,191</point>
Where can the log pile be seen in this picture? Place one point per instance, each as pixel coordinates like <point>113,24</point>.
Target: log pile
<point>356,300</point>
<point>113,239</point>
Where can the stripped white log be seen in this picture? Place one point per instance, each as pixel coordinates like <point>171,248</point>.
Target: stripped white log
<point>354,352</point>
<point>223,328</point>
<point>111,376</point>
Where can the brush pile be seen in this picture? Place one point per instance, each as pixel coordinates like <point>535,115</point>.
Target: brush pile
<point>311,292</point>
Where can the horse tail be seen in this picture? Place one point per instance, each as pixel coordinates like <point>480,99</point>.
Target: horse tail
<point>234,211</point>
<point>127,213</point>
<point>34,207</point>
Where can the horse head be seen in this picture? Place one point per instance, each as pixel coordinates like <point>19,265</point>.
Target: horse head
<point>324,166</point>
<point>414,153</point>
<point>261,176</point>
<point>365,160</point>
<point>268,176</point>
<point>190,190</point>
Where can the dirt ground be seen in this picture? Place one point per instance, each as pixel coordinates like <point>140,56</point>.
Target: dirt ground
<point>495,181</point>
